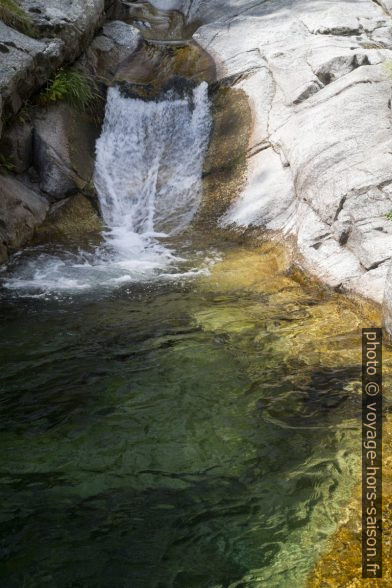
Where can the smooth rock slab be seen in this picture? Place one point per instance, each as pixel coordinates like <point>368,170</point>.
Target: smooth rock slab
<point>320,94</point>
<point>267,197</point>
<point>63,149</point>
<point>21,210</point>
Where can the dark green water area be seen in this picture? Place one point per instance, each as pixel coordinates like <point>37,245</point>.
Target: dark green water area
<point>195,433</point>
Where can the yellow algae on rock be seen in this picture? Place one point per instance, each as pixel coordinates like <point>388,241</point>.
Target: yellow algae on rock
<point>251,268</point>
<point>74,217</point>
<point>341,564</point>
<point>309,321</point>
<point>319,329</point>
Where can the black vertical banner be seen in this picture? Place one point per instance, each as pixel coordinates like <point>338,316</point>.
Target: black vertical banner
<point>372,453</point>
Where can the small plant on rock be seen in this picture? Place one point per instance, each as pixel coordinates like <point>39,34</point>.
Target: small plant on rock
<point>72,87</point>
<point>389,215</point>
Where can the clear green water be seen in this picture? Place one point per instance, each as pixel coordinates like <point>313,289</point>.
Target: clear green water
<point>186,435</point>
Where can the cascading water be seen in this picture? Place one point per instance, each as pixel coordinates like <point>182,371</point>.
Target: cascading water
<point>148,178</point>
<point>149,165</point>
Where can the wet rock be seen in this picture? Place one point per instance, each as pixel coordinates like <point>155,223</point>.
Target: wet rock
<point>116,43</point>
<point>225,162</point>
<point>153,68</point>
<point>158,22</point>
<point>63,144</point>
<point>21,210</point>
<point>74,217</point>
<point>17,144</point>
<point>387,301</point>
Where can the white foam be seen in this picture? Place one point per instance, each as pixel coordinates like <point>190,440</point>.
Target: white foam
<point>149,161</point>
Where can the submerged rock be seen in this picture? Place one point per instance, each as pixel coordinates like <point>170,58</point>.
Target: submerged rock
<point>21,210</point>
<point>340,563</point>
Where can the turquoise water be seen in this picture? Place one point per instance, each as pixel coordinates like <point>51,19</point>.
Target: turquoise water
<point>191,433</point>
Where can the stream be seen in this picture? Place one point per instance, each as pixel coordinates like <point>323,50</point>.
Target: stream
<point>178,409</point>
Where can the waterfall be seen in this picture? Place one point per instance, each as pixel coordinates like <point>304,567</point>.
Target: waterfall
<point>149,161</point>
<point>149,164</point>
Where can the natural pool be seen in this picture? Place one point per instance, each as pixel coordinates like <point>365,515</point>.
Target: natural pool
<point>178,409</point>
<point>199,432</point>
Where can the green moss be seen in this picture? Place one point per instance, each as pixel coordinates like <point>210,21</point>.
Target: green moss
<point>23,115</point>
<point>14,16</point>
<point>388,66</point>
<point>6,165</point>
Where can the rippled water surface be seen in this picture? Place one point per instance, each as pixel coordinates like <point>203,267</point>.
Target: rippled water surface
<point>200,433</point>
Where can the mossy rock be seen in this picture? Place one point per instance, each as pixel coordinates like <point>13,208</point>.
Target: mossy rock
<point>74,218</point>
<point>225,164</point>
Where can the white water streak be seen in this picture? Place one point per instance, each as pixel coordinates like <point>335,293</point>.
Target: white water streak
<point>149,164</point>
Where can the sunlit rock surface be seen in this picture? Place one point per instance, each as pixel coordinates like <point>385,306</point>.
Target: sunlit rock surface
<point>320,156</point>
<point>72,21</point>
